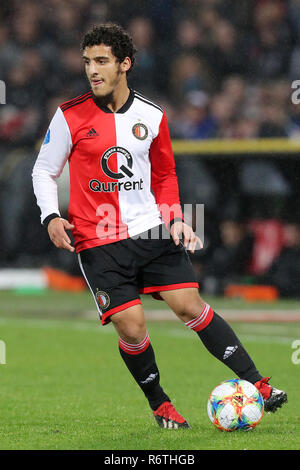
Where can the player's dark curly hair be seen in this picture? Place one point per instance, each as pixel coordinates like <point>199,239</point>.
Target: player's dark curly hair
<point>114,36</point>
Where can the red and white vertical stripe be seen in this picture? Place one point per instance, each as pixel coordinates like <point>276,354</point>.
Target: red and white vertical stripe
<point>135,348</point>
<point>203,320</point>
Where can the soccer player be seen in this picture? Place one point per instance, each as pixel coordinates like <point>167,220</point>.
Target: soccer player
<point>126,220</point>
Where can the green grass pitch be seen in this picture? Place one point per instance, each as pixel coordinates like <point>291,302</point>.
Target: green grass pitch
<point>64,385</point>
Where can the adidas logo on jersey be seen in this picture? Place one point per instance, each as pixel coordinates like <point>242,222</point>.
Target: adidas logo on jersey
<point>92,133</point>
<point>228,351</point>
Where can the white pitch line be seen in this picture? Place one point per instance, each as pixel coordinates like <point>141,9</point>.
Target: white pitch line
<point>243,337</point>
<point>56,324</point>
<point>267,339</point>
<point>173,332</point>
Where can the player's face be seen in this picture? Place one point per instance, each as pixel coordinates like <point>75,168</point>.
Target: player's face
<point>103,70</point>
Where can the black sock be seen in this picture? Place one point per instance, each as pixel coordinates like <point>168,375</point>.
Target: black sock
<point>221,341</point>
<point>143,368</point>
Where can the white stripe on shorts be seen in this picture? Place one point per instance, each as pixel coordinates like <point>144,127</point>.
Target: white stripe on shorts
<point>82,270</point>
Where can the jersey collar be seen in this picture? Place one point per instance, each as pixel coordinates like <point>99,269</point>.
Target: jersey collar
<point>122,110</point>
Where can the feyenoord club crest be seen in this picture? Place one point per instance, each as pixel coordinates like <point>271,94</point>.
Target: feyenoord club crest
<point>102,299</point>
<point>140,131</point>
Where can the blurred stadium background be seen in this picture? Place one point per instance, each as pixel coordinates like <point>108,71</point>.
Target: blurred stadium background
<point>223,70</point>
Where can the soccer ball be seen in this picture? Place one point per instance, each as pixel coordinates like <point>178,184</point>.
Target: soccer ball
<point>235,404</point>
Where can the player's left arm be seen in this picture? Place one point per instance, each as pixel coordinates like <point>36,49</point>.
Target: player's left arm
<point>165,187</point>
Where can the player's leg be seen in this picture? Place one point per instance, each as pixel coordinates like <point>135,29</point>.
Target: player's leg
<point>215,333</point>
<point>138,355</point>
<point>221,341</point>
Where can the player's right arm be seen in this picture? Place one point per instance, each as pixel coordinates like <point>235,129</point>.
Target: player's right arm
<point>50,162</point>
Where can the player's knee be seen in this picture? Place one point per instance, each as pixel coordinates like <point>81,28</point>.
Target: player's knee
<point>191,309</point>
<point>133,334</point>
<point>133,331</point>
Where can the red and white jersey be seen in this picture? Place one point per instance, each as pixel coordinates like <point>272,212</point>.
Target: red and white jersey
<point>122,169</point>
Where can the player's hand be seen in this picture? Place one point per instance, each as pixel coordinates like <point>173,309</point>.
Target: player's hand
<point>190,239</point>
<point>57,232</point>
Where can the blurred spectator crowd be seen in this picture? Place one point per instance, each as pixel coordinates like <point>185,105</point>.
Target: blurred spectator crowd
<point>220,68</point>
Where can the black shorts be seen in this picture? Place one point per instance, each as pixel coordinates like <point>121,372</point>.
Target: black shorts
<point>119,272</point>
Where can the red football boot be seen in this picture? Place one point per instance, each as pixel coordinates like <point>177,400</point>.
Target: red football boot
<point>273,398</point>
<point>167,417</point>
